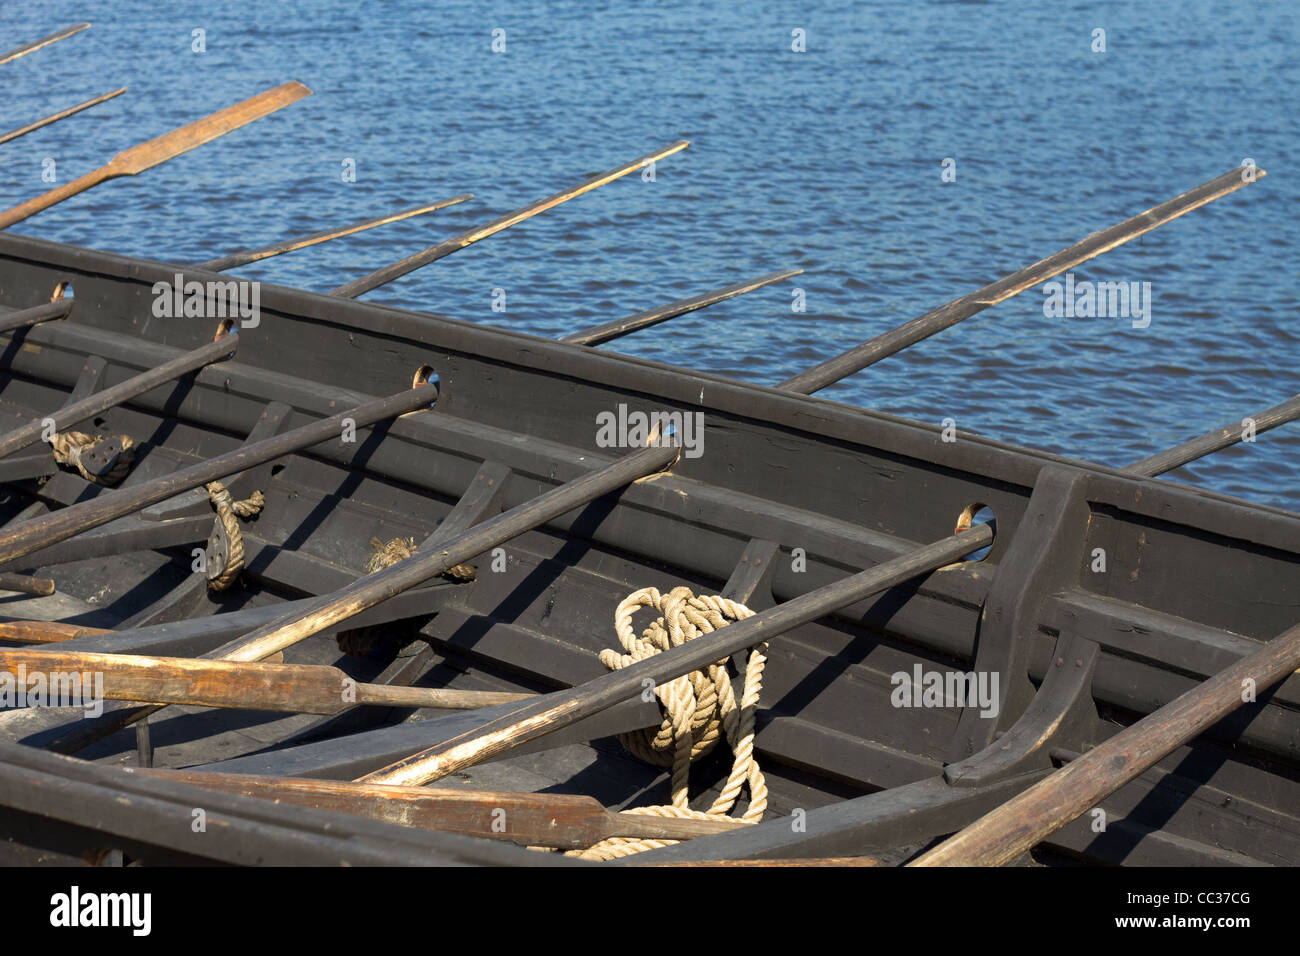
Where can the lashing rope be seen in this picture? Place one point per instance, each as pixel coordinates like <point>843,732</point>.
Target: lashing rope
<point>699,708</point>
<point>228,513</point>
<point>68,448</point>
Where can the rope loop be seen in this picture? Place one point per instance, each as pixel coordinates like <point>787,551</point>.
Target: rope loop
<point>700,708</point>
<point>228,512</point>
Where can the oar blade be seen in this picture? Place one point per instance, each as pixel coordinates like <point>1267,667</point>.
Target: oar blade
<point>169,145</point>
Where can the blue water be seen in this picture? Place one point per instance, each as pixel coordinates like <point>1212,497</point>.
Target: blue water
<point>827,160</point>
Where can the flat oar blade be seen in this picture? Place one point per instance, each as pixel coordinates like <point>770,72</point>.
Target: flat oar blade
<point>44,42</point>
<point>162,148</point>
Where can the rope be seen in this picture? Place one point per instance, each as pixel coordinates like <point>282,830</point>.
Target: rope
<point>228,510</point>
<point>360,641</point>
<point>699,708</point>
<point>68,448</point>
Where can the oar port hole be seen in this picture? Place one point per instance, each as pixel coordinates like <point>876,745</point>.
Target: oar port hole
<point>62,291</point>
<point>975,514</point>
<point>226,327</point>
<point>425,375</point>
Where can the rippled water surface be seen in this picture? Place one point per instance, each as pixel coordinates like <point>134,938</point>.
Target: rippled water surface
<point>827,160</point>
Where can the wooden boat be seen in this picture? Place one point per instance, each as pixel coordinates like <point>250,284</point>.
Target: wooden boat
<point>912,685</point>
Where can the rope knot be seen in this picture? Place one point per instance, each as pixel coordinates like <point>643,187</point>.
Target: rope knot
<point>225,563</point>
<point>699,708</point>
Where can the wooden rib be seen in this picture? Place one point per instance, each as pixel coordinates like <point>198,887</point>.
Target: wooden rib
<point>216,351</point>
<point>44,42</point>
<point>387,274</point>
<point>62,114</point>
<point>162,148</point>
<point>948,315</point>
<point>643,320</point>
<point>45,632</point>
<point>562,708</point>
<point>234,260</point>
<point>555,820</point>
<point>1030,817</point>
<point>283,688</point>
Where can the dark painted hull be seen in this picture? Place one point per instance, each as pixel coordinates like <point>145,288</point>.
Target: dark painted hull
<point>1193,581</point>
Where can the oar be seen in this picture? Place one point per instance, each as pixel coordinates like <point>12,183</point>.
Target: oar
<point>1215,440</point>
<point>1030,817</point>
<point>945,316</point>
<point>284,688</point>
<point>162,148</point>
<point>643,320</point>
<point>22,318</point>
<point>45,632</point>
<point>563,708</point>
<point>234,260</point>
<point>387,274</point>
<point>25,584</point>
<point>531,819</point>
<point>46,41</point>
<point>62,114</point>
<point>373,589</point>
<point>37,533</point>
<point>218,350</point>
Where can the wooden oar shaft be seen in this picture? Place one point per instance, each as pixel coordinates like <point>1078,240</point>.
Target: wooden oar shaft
<point>45,632</point>
<point>162,148</point>
<point>26,584</point>
<point>91,405</point>
<point>55,196</point>
<point>553,820</point>
<point>643,320</point>
<point>44,42</point>
<point>442,697</point>
<point>234,260</point>
<point>62,114</point>
<point>470,236</point>
<point>201,682</point>
<point>1030,817</point>
<point>374,588</point>
<point>1218,439</point>
<point>60,525</point>
<point>562,708</point>
<point>39,313</point>
<point>945,316</point>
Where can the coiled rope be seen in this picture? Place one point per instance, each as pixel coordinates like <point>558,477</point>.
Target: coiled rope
<point>361,641</point>
<point>699,708</point>
<point>68,447</point>
<point>228,513</point>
